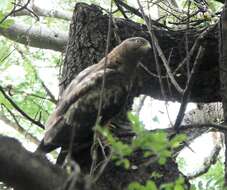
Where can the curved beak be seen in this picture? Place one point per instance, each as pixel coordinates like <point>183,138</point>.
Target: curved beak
<point>146,47</point>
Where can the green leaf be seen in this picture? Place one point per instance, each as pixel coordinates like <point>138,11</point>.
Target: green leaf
<point>180,180</point>
<point>134,186</point>
<point>178,187</point>
<point>136,124</point>
<point>5,102</point>
<point>177,140</point>
<point>167,186</point>
<point>7,23</point>
<point>1,15</point>
<point>124,162</point>
<point>150,185</point>
<point>156,175</point>
<point>162,160</point>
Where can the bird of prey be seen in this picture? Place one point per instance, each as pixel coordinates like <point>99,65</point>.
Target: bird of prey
<point>79,104</point>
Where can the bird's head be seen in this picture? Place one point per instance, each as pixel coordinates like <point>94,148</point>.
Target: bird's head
<point>135,48</point>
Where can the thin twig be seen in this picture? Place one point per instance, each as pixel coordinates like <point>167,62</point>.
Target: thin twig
<point>20,110</point>
<point>48,92</point>
<point>5,57</point>
<point>12,91</point>
<point>194,47</point>
<point>188,88</point>
<point>93,147</point>
<point>141,103</point>
<point>139,14</point>
<point>14,10</point>
<point>150,72</point>
<point>103,166</point>
<point>159,51</point>
<point>17,126</point>
<point>187,42</point>
<point>120,9</point>
<point>29,10</point>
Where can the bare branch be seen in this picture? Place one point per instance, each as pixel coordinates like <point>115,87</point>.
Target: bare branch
<point>159,50</point>
<point>36,36</point>
<point>217,127</point>
<point>141,101</point>
<point>187,90</point>
<point>32,9</point>
<point>120,9</point>
<point>49,93</point>
<point>138,13</point>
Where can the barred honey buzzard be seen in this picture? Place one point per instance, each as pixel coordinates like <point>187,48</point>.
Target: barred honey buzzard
<point>79,104</point>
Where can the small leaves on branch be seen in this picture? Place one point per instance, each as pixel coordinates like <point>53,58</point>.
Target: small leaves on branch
<point>155,146</point>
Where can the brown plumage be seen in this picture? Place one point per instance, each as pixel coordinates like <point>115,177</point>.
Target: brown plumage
<point>79,103</point>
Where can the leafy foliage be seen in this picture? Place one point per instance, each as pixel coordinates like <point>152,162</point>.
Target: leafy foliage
<point>213,179</point>
<point>4,21</point>
<point>150,185</point>
<point>155,144</point>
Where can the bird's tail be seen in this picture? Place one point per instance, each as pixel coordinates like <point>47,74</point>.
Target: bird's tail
<point>45,148</point>
<point>57,136</point>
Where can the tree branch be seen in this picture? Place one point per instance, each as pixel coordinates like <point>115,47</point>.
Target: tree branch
<point>44,12</point>
<point>36,36</point>
<point>23,170</point>
<point>188,87</point>
<point>155,44</point>
<point>49,93</point>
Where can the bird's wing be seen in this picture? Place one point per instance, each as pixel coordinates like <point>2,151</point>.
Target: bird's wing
<point>77,90</point>
<point>82,75</point>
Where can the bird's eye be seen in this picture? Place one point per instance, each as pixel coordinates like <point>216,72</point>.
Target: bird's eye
<point>138,41</point>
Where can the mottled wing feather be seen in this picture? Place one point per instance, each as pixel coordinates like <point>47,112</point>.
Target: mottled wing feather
<point>77,90</point>
<point>82,75</point>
